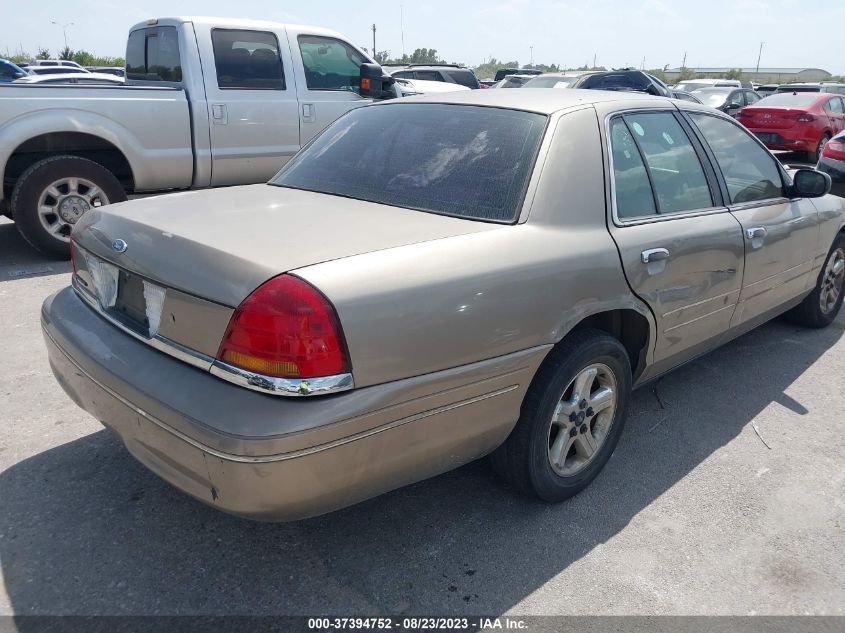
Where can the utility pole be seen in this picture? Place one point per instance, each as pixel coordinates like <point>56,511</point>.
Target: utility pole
<point>594,60</point>
<point>374,41</point>
<point>759,55</point>
<point>642,66</point>
<point>531,48</point>
<point>402,26</point>
<point>684,63</point>
<point>64,28</point>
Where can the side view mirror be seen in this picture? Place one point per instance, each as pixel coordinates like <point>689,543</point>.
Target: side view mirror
<point>19,75</point>
<point>375,83</point>
<point>809,183</point>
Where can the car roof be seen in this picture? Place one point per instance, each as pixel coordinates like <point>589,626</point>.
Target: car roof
<point>718,89</point>
<point>540,100</point>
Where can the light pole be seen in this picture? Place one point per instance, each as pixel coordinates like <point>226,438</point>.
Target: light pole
<point>759,55</point>
<point>531,48</point>
<point>64,28</point>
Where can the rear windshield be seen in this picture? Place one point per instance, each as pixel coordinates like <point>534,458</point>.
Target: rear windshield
<point>788,99</point>
<point>550,82</point>
<point>799,89</point>
<point>464,161</point>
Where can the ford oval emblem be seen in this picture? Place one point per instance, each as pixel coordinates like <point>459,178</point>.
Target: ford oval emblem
<point>120,246</point>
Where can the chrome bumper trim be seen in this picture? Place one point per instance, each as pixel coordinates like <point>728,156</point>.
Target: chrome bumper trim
<point>290,387</point>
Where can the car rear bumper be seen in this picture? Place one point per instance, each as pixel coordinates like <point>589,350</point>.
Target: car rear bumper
<point>275,458</point>
<point>784,140</point>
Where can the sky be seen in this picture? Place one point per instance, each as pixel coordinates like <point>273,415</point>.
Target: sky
<point>566,32</point>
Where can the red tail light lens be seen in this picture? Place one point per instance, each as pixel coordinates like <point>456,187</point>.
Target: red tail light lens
<point>834,149</point>
<point>286,329</point>
<point>806,118</point>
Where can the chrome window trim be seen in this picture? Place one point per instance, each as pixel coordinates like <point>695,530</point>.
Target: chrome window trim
<point>289,387</point>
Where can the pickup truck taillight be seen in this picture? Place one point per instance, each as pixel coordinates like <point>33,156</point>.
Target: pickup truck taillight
<point>286,329</point>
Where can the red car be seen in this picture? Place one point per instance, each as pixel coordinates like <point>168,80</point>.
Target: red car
<point>799,122</point>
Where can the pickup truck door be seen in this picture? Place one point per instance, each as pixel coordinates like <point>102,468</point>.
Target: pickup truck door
<point>327,71</point>
<point>680,248</point>
<point>252,104</point>
<point>780,235</point>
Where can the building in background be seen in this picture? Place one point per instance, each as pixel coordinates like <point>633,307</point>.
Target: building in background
<point>764,75</point>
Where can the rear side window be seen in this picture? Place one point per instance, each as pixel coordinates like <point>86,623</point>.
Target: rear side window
<point>464,77</point>
<point>247,60</point>
<point>631,186</point>
<point>153,55</point>
<point>429,75</point>
<point>329,63</point>
<point>834,105</point>
<point>676,175</point>
<point>465,161</point>
<point>749,170</point>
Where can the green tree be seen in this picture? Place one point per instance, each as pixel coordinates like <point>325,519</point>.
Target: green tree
<point>43,53</point>
<point>487,69</point>
<point>734,73</point>
<point>66,53</point>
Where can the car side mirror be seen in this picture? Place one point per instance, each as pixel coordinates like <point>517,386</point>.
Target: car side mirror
<point>809,183</point>
<point>375,83</point>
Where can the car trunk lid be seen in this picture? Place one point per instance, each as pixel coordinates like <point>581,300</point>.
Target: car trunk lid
<point>221,244</point>
<point>780,118</point>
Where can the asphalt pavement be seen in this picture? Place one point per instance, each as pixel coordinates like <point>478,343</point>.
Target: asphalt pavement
<point>726,495</point>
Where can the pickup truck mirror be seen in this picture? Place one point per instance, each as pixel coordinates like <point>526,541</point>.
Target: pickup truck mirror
<point>375,83</point>
<point>809,183</point>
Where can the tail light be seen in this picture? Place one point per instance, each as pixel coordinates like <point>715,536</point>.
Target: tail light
<point>834,149</point>
<point>286,329</point>
<point>801,117</point>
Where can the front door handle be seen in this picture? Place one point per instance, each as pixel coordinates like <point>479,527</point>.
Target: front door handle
<point>655,255</point>
<point>757,232</point>
<point>219,115</point>
<point>309,114</point>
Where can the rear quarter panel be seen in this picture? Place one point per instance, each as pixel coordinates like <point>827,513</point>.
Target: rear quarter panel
<point>151,126</point>
<point>436,305</point>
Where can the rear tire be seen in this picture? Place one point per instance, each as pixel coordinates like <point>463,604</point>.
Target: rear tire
<point>813,157</point>
<point>821,307</point>
<point>571,418</point>
<point>51,196</point>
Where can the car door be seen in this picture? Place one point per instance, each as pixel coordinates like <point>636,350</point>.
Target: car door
<point>327,77</point>
<point>681,250</point>
<point>252,103</point>
<point>780,234</point>
<point>835,111</point>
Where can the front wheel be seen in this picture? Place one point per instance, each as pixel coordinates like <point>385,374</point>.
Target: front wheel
<point>823,304</point>
<point>51,196</point>
<point>571,418</point>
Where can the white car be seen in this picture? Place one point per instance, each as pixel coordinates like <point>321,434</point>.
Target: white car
<point>411,87</point>
<point>72,78</point>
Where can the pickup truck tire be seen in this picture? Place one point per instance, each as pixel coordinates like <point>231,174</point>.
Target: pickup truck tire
<point>571,418</point>
<point>51,195</point>
<point>820,308</point>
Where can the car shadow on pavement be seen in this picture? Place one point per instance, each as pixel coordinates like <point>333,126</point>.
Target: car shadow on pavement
<point>19,260</point>
<point>87,530</point>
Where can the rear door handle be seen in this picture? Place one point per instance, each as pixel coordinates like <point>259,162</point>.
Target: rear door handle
<point>309,114</point>
<point>655,255</point>
<point>757,232</point>
<point>219,115</point>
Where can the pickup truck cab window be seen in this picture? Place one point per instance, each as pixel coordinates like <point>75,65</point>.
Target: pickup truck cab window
<point>152,54</point>
<point>330,64</point>
<point>247,60</point>
<point>671,166</point>
<point>749,170</point>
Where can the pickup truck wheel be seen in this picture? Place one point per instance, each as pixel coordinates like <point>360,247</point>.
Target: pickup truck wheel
<point>51,196</point>
<point>571,418</point>
<point>822,305</point>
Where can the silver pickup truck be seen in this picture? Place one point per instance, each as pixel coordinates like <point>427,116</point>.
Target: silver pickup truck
<point>207,102</point>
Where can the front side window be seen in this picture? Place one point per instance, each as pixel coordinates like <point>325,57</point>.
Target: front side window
<point>7,71</point>
<point>465,161</point>
<point>674,168</point>
<point>735,99</point>
<point>247,60</point>
<point>330,64</point>
<point>749,170</point>
<point>153,55</point>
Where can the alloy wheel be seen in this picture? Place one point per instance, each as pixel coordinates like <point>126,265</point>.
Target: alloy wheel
<point>582,419</point>
<point>64,201</point>
<point>832,281</point>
